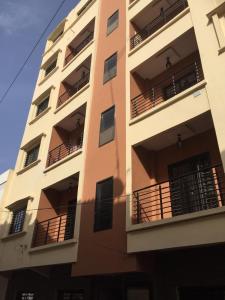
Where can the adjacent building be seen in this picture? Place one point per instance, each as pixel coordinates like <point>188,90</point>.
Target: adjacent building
<point>118,189</point>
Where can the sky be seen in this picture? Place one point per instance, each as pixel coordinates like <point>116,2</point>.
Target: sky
<point>21,24</point>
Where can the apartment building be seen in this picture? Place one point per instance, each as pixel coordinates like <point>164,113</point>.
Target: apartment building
<point>118,189</point>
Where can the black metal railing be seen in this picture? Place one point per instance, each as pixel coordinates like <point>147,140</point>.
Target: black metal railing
<point>164,17</point>
<point>73,89</point>
<point>61,151</point>
<point>196,191</point>
<point>75,51</point>
<point>174,83</point>
<point>54,230</point>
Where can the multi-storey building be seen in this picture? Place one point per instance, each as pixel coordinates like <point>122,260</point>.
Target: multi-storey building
<point>118,189</point>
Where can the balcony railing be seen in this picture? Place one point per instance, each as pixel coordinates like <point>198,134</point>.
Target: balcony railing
<point>78,49</point>
<point>172,85</point>
<point>60,152</point>
<point>164,17</point>
<point>197,191</point>
<point>54,230</point>
<point>73,89</point>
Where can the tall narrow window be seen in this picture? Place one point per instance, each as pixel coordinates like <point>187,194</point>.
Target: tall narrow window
<point>32,155</point>
<point>113,22</point>
<point>107,127</point>
<point>110,68</point>
<point>104,205</point>
<point>42,106</point>
<point>18,220</point>
<point>50,67</point>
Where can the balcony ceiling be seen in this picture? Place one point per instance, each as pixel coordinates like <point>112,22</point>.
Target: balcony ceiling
<point>63,185</point>
<point>76,74</point>
<point>151,12</point>
<point>187,130</point>
<point>70,122</point>
<point>176,51</point>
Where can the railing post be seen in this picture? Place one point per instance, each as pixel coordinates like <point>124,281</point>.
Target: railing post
<point>49,159</point>
<point>197,72</point>
<point>161,202</point>
<point>60,220</point>
<point>153,96</point>
<point>174,85</point>
<point>46,236</point>
<point>138,209</point>
<point>59,153</point>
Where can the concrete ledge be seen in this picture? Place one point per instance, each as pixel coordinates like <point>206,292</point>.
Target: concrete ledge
<point>13,236</point>
<point>177,219</point>
<point>133,3</point>
<point>28,167</point>
<point>52,246</point>
<point>40,115</point>
<point>167,103</point>
<point>58,163</point>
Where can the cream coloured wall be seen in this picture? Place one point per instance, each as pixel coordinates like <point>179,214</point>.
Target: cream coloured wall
<point>16,251</point>
<point>210,97</point>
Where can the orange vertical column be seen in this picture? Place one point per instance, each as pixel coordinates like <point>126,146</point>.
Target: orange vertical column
<point>104,252</point>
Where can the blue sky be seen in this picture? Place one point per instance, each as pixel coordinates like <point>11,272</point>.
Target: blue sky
<point>21,23</point>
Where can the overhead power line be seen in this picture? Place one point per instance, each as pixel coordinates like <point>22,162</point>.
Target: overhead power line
<point>3,97</point>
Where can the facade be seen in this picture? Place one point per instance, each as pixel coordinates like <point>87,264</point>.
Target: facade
<point>118,189</point>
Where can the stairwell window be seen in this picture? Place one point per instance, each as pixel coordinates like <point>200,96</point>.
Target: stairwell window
<point>113,22</point>
<point>104,205</point>
<point>18,219</point>
<point>107,126</point>
<point>32,155</point>
<point>110,68</point>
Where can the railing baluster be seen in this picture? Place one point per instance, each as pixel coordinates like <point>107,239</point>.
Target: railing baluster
<point>161,201</point>
<point>46,235</point>
<point>138,209</point>
<point>59,230</point>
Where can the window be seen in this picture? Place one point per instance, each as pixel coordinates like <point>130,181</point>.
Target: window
<point>50,67</point>
<point>107,127</point>
<point>113,22</point>
<point>110,68</point>
<point>42,106</point>
<point>71,295</point>
<point>104,205</point>
<point>32,155</point>
<point>17,222</point>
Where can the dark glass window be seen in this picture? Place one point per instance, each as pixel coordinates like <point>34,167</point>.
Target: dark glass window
<point>107,127</point>
<point>50,67</point>
<point>110,68</point>
<point>42,106</point>
<point>113,22</point>
<point>17,222</point>
<point>71,295</point>
<point>104,205</point>
<point>32,155</point>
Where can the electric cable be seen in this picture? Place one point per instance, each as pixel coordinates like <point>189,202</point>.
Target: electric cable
<point>31,53</point>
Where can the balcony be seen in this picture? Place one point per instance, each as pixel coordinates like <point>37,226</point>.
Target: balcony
<point>56,222</point>
<point>74,82</point>
<point>178,189</point>
<point>167,74</point>
<point>176,80</point>
<point>80,42</point>
<point>159,15</point>
<point>192,192</point>
<point>67,137</point>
